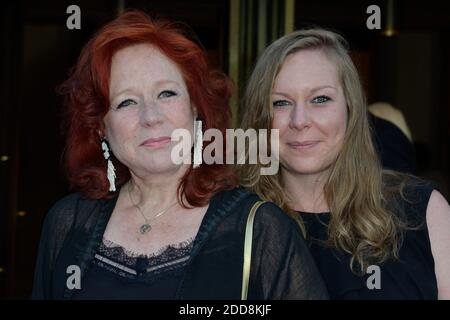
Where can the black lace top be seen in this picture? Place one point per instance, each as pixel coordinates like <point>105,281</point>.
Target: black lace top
<point>117,273</point>
<point>281,265</point>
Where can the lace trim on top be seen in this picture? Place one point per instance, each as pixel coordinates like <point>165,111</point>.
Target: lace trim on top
<point>128,264</point>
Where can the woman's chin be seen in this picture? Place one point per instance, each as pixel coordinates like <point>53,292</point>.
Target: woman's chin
<point>305,168</point>
<point>156,167</point>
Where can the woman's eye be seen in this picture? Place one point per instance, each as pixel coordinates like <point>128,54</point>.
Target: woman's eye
<point>166,94</point>
<point>320,99</point>
<point>280,103</point>
<point>126,103</point>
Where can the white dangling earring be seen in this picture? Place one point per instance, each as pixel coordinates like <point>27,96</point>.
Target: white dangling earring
<point>198,143</point>
<point>111,172</point>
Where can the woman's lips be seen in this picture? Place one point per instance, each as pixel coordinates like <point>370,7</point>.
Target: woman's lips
<point>156,142</point>
<point>303,145</point>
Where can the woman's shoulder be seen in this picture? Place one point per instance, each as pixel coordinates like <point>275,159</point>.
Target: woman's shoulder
<point>269,217</point>
<point>409,184</point>
<point>418,189</point>
<point>273,217</point>
<point>65,210</point>
<point>268,213</point>
<point>409,194</point>
<point>70,212</point>
<point>64,206</point>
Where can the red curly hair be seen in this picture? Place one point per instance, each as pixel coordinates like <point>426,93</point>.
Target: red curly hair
<point>86,97</point>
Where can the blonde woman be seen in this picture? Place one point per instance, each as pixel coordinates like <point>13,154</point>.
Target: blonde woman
<point>374,234</point>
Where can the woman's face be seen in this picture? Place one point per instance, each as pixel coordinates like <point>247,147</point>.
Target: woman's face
<point>149,99</point>
<point>309,109</point>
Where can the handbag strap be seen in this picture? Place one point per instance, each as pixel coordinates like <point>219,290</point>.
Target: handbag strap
<point>248,249</point>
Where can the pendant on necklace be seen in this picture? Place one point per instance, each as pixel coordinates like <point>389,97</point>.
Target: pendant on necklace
<point>145,228</point>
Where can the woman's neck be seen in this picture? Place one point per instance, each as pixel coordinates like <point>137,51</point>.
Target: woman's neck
<point>154,190</point>
<point>305,191</point>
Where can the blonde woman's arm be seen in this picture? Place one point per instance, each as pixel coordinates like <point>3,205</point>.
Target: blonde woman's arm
<point>438,221</point>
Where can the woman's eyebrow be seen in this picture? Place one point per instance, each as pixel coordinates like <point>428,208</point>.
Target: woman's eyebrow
<point>131,90</point>
<point>322,87</point>
<point>128,90</point>
<point>282,94</point>
<point>310,91</point>
<point>167,81</point>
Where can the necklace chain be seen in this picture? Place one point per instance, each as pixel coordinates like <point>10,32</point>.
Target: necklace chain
<point>146,227</point>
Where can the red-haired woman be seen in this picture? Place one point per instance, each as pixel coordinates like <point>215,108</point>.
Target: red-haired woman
<point>141,226</point>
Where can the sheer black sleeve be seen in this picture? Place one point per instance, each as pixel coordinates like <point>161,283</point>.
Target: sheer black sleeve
<point>281,261</point>
<point>56,226</point>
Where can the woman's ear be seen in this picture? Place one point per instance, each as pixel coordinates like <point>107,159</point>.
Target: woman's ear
<point>101,130</point>
<point>101,134</point>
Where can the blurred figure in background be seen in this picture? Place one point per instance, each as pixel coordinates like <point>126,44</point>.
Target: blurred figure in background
<point>392,138</point>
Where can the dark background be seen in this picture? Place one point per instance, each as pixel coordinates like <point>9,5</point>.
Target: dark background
<point>410,70</point>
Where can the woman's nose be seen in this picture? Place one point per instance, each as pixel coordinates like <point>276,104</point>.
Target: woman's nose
<point>150,114</point>
<point>300,117</point>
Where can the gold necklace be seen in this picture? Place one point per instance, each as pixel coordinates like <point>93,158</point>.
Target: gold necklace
<point>146,227</point>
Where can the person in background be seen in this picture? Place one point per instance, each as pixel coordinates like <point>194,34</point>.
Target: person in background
<point>392,138</point>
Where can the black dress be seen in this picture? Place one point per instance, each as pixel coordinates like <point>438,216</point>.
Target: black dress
<point>211,268</point>
<point>410,277</point>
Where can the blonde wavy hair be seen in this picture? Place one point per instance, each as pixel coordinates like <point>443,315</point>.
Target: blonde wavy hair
<point>361,223</point>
